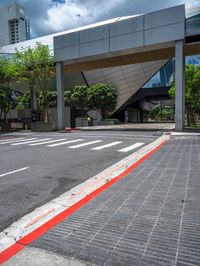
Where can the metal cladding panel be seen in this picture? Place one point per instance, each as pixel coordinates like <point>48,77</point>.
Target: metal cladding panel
<point>130,35</point>
<point>164,34</point>
<point>70,52</point>
<point>127,26</point>
<point>126,41</point>
<point>126,85</point>
<point>164,25</point>
<point>94,34</point>
<point>94,48</point>
<point>67,40</point>
<point>164,17</point>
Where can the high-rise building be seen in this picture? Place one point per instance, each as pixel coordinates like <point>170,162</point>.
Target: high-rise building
<point>15,26</point>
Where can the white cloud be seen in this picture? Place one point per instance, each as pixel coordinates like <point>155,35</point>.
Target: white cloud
<point>192,3</point>
<point>76,13</point>
<point>46,18</point>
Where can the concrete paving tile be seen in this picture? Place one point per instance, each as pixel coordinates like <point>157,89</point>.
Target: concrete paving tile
<point>140,221</point>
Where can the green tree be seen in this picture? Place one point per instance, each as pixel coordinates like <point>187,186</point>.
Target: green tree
<point>25,100</point>
<point>7,102</point>
<point>35,66</point>
<point>154,113</point>
<point>102,96</point>
<point>52,98</point>
<point>8,73</point>
<point>161,113</point>
<point>79,97</point>
<point>192,93</point>
<point>98,96</point>
<point>67,98</point>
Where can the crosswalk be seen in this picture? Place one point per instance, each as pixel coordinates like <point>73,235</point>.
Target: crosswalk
<point>106,145</point>
<point>95,145</point>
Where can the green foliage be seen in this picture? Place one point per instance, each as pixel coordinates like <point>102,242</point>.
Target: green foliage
<point>79,97</point>
<point>192,93</point>
<point>8,72</point>
<point>67,98</point>
<point>102,96</point>
<point>98,96</point>
<point>35,66</point>
<point>24,100</point>
<point>52,98</point>
<point>7,102</point>
<point>160,113</point>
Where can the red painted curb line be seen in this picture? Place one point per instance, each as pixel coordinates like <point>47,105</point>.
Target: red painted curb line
<point>23,242</point>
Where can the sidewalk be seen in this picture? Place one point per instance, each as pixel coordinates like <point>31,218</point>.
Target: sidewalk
<point>149,217</point>
<point>133,127</point>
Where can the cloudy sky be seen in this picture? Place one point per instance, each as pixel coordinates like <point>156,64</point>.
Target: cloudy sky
<point>49,16</point>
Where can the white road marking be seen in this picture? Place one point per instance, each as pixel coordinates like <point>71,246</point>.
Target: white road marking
<point>18,140</point>
<point>3,140</point>
<point>132,147</point>
<point>46,142</point>
<point>106,145</point>
<point>64,143</point>
<point>84,144</point>
<point>32,141</point>
<point>15,171</point>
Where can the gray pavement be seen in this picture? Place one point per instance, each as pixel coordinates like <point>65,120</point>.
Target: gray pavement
<point>150,217</point>
<point>132,127</point>
<point>52,171</point>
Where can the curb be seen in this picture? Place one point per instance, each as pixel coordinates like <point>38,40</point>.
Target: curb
<point>125,129</point>
<point>30,227</point>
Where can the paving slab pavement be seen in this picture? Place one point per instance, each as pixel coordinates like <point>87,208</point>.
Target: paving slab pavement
<point>150,217</point>
<point>132,127</point>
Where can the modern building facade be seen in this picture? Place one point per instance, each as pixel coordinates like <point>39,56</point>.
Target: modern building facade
<point>14,25</point>
<point>125,51</point>
<point>160,35</point>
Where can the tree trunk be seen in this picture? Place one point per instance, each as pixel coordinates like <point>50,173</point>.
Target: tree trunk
<point>33,96</point>
<point>46,104</point>
<point>46,115</point>
<point>192,115</point>
<point>5,115</point>
<point>103,113</point>
<point>187,116</point>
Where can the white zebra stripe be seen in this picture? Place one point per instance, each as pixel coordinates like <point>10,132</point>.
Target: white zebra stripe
<point>32,141</point>
<point>14,141</point>
<point>132,147</point>
<point>106,145</point>
<point>64,143</point>
<point>46,142</point>
<point>85,144</point>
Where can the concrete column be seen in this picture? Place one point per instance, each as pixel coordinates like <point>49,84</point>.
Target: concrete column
<point>180,86</point>
<point>60,95</point>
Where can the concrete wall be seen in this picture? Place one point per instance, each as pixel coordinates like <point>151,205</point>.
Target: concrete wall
<point>26,114</point>
<point>133,115</point>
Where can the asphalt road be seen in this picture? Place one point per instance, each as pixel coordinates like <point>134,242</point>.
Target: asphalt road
<point>31,175</point>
